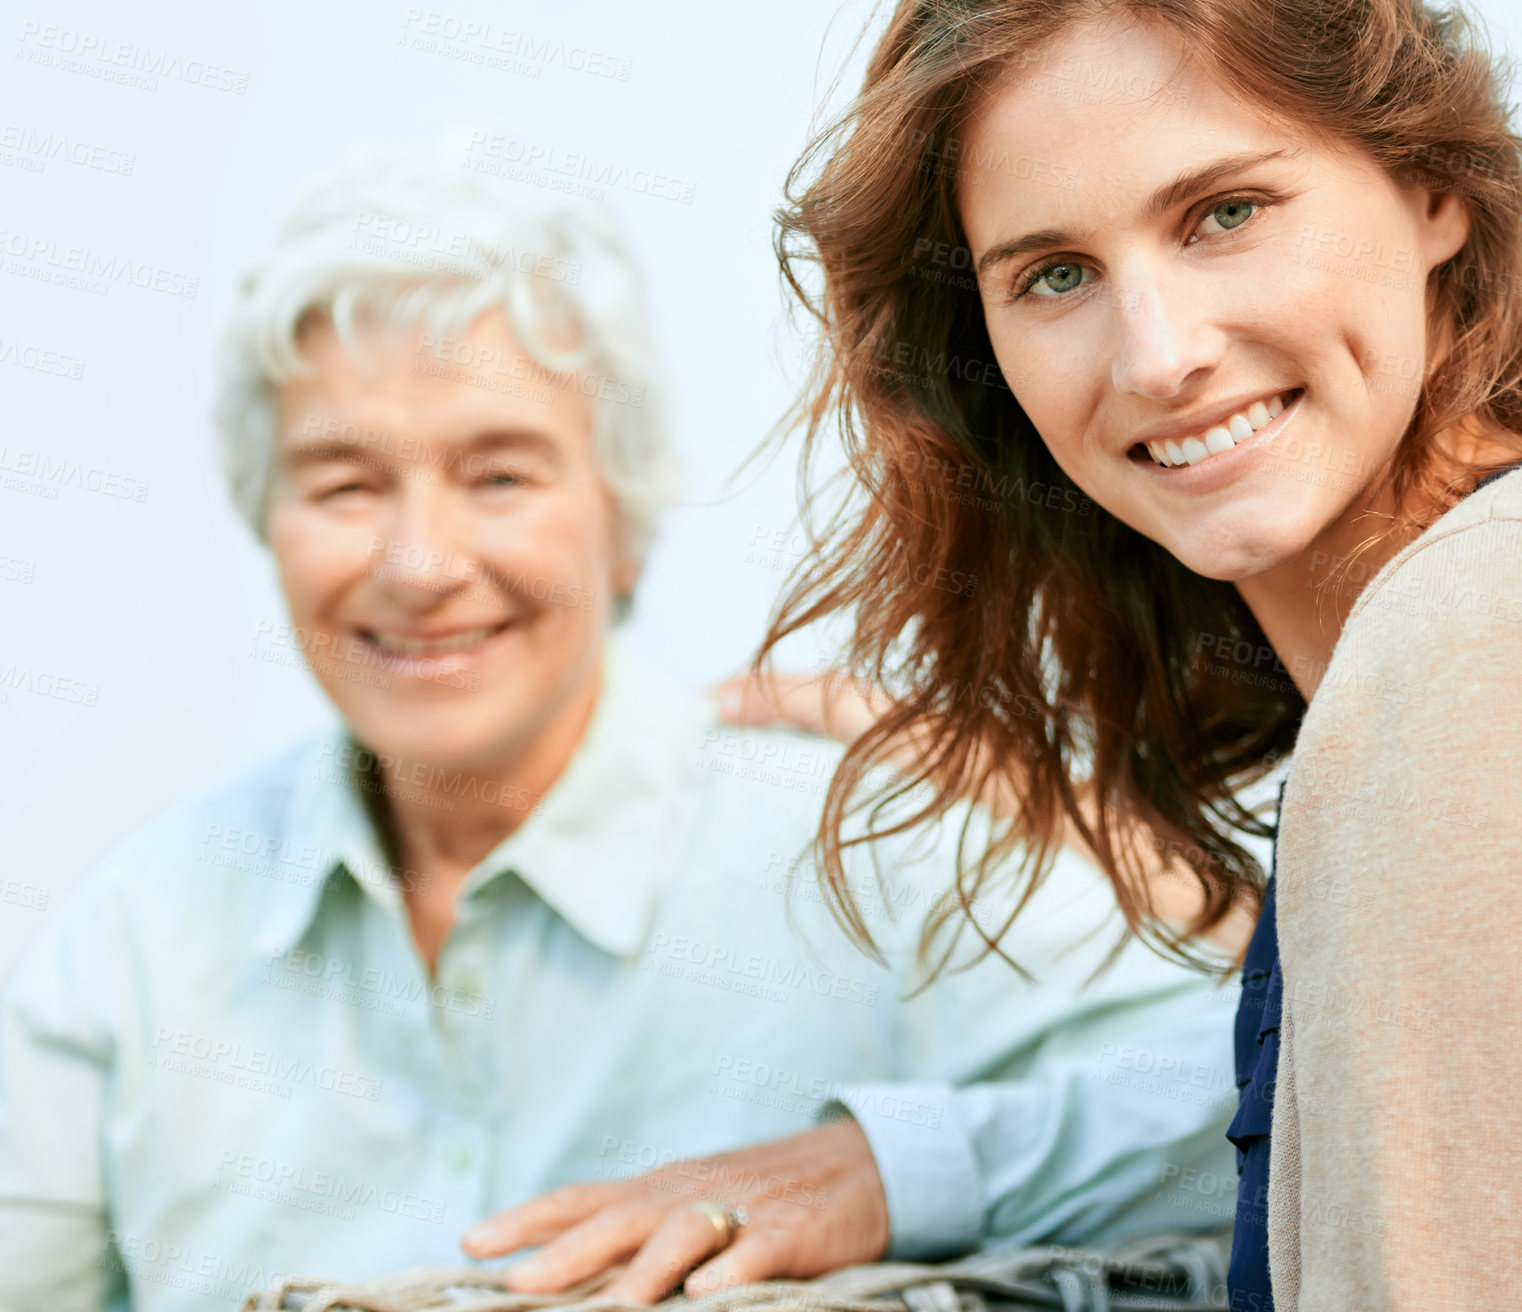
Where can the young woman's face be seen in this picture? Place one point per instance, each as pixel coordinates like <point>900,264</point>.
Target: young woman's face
<point>1153,326</point>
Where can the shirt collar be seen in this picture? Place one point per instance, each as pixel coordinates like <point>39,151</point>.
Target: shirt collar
<point>596,848</point>
<point>324,835</point>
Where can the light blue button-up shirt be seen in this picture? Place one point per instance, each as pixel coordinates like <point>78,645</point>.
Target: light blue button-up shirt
<point>223,1059</point>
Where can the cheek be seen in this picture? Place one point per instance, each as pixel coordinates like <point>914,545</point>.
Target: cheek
<point>315,558</point>
<point>1048,389</point>
<point>565,536</point>
<point>1391,355</point>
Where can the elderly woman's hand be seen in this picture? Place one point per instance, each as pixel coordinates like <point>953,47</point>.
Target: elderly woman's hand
<point>834,705</point>
<point>813,1203</point>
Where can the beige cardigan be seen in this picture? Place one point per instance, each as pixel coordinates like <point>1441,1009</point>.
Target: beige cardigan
<point>1395,1172</point>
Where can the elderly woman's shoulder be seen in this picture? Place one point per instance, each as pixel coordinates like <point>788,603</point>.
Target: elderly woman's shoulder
<point>242,811</point>
<point>170,895</point>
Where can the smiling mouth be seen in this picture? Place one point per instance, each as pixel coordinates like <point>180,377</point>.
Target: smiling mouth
<point>403,648</point>
<point>1230,433</point>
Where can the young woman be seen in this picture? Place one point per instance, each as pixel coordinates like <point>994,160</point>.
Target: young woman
<point>1170,346</point>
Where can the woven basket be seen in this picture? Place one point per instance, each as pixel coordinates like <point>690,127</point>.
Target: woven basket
<point>1167,1274</point>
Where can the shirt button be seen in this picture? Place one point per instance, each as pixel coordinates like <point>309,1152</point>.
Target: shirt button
<point>469,985</point>
<point>458,1158</point>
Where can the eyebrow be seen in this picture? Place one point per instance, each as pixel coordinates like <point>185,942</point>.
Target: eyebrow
<point>377,442</point>
<point>1187,184</point>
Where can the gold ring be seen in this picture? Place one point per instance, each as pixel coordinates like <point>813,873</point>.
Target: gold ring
<point>726,1220</point>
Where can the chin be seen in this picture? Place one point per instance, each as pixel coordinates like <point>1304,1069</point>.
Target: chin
<point>1254,527</point>
<point>1241,555</point>
<point>448,739</point>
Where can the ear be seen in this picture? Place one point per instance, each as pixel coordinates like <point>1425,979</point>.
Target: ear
<point>625,575</point>
<point>1442,219</point>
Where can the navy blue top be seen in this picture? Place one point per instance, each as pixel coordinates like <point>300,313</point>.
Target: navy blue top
<point>1257,1062</point>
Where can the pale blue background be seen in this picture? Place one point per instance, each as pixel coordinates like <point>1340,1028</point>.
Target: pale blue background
<point>155,605</point>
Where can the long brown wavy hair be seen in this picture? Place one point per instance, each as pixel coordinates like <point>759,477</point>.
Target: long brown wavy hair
<point>1027,639</point>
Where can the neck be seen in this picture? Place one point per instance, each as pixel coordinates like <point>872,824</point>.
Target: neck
<point>444,825</point>
<point>1303,604</point>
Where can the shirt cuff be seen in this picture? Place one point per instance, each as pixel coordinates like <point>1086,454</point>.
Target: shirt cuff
<point>929,1173</point>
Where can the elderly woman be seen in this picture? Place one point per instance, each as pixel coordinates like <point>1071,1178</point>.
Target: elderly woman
<point>519,921</point>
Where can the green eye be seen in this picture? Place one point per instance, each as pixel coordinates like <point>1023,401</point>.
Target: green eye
<point>1057,279</point>
<point>1063,277</point>
<point>1230,214</point>
<point>1053,279</point>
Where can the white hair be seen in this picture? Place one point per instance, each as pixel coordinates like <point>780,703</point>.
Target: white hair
<point>439,249</point>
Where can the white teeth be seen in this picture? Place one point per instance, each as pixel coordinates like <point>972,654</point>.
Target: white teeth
<point>431,646</point>
<point>1238,428</point>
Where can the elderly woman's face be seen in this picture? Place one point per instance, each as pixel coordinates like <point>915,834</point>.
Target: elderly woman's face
<point>1223,363</point>
<point>445,540</point>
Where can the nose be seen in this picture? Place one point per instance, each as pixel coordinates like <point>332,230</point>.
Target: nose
<point>425,558</point>
<point>1166,335</point>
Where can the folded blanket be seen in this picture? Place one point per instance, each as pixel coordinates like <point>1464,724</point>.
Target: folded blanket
<point>1171,1273</point>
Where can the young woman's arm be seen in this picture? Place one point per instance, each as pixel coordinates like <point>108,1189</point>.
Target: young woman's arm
<point>1396,1175</point>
